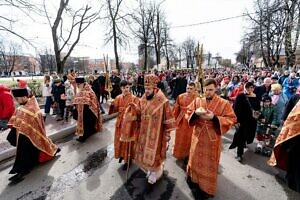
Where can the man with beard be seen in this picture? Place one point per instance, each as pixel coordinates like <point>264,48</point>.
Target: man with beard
<point>29,136</point>
<point>156,123</point>
<point>211,117</point>
<point>87,111</point>
<point>184,132</point>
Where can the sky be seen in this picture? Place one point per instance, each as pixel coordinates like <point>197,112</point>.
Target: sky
<point>220,37</point>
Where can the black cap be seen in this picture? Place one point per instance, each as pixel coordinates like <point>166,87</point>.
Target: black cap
<point>79,80</point>
<point>20,92</point>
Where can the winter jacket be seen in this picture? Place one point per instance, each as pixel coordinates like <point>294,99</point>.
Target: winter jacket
<point>7,107</point>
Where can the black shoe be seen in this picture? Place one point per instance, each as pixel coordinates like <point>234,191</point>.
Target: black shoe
<point>80,139</point>
<point>125,166</point>
<point>120,159</point>
<point>102,112</point>
<point>57,151</point>
<point>186,161</point>
<point>239,158</point>
<point>190,183</point>
<point>17,178</point>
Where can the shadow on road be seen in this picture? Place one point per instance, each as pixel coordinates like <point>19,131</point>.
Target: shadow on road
<point>225,185</point>
<point>136,184</point>
<point>259,162</point>
<point>35,191</point>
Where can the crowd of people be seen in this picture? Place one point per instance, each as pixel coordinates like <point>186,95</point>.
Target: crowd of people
<point>261,104</point>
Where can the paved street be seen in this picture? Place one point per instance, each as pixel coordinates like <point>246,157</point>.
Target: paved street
<point>89,171</point>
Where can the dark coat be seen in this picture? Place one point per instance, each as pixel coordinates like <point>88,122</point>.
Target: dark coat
<point>98,86</point>
<point>292,149</point>
<point>27,156</point>
<point>57,91</point>
<point>89,121</point>
<point>243,111</point>
<point>290,105</point>
<point>180,87</point>
<point>260,91</point>
<point>115,81</point>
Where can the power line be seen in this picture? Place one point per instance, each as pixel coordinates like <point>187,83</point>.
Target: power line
<point>209,22</point>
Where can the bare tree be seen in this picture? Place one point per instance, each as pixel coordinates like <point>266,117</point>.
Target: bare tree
<point>47,61</point>
<point>142,19</point>
<point>209,58</point>
<point>292,29</point>
<point>168,47</point>
<point>7,22</point>
<point>179,53</point>
<point>116,24</point>
<point>65,41</point>
<point>268,29</point>
<point>158,21</point>
<point>189,48</point>
<point>9,55</point>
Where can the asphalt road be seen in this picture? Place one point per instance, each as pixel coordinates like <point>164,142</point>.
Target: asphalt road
<point>89,171</point>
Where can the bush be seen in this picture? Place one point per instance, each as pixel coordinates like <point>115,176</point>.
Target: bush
<point>36,87</point>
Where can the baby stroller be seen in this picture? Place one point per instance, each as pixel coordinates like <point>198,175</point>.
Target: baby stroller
<point>266,140</point>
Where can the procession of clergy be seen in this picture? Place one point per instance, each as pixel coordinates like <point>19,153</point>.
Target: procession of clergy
<point>142,131</point>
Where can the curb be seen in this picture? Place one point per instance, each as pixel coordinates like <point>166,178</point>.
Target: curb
<point>5,155</point>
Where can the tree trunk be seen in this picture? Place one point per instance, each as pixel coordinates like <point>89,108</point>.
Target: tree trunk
<point>179,60</point>
<point>167,57</point>
<point>187,61</point>
<point>261,45</point>
<point>60,68</point>
<point>158,38</point>
<point>116,47</point>
<point>145,57</point>
<point>290,54</point>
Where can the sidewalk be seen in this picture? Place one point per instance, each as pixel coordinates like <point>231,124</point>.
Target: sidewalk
<point>55,130</point>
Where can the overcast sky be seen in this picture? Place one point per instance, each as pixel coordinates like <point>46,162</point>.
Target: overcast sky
<point>219,37</point>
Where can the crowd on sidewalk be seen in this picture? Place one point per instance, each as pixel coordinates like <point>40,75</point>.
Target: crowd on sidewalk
<point>259,103</point>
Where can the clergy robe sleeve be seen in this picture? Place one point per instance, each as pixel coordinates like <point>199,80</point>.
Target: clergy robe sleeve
<point>227,119</point>
<point>169,121</point>
<point>191,116</point>
<point>176,109</point>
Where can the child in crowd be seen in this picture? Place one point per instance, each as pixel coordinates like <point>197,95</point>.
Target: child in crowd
<point>265,127</point>
<point>69,99</point>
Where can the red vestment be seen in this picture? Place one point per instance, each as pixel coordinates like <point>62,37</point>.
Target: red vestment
<point>86,96</point>
<point>28,121</point>
<point>290,129</point>
<point>120,104</point>
<point>206,141</point>
<point>184,132</point>
<point>156,123</point>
